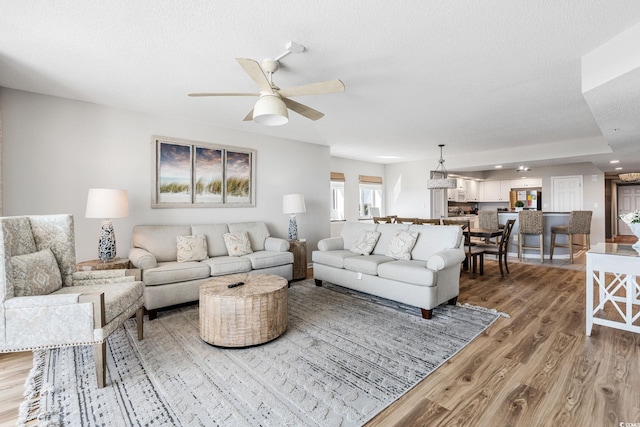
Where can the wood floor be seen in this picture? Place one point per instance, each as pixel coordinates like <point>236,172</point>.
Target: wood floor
<point>536,368</point>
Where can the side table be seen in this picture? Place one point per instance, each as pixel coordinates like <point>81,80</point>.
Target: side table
<point>96,264</point>
<point>299,250</point>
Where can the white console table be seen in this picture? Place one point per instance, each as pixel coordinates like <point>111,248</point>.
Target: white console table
<point>619,292</point>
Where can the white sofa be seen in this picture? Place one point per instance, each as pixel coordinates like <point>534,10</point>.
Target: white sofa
<point>168,282</point>
<point>429,278</point>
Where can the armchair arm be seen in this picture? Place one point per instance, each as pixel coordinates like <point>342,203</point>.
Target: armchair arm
<point>41,301</point>
<point>276,244</point>
<point>142,259</point>
<point>101,277</point>
<point>331,244</point>
<point>445,259</point>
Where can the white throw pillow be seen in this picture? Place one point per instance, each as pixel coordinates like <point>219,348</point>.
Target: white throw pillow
<point>366,242</point>
<point>36,273</point>
<point>237,244</point>
<point>401,244</point>
<point>192,248</point>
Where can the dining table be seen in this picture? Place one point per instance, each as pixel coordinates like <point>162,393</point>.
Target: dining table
<point>486,234</point>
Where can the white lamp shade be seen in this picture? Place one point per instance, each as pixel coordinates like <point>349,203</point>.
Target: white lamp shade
<point>107,203</point>
<point>270,110</point>
<point>293,204</point>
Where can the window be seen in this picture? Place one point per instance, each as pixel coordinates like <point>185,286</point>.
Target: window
<point>370,196</point>
<point>337,196</point>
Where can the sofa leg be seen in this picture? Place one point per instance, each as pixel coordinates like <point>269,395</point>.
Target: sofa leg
<point>152,314</point>
<point>318,282</point>
<point>140,322</point>
<point>453,301</point>
<point>426,314</point>
<point>100,356</point>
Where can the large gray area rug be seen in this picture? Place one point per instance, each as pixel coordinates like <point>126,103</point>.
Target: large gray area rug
<point>344,357</point>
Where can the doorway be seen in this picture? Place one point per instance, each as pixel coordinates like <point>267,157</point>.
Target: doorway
<point>628,200</point>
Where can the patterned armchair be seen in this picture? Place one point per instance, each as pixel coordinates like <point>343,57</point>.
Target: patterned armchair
<point>46,303</point>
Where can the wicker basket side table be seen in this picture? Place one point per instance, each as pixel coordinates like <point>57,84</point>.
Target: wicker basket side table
<point>253,313</point>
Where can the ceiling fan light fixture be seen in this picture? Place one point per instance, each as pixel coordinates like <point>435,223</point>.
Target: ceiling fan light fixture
<point>270,110</point>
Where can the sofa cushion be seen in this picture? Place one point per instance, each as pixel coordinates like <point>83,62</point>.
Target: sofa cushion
<point>238,244</point>
<point>18,237</point>
<point>257,232</point>
<point>365,242</point>
<point>117,297</point>
<point>222,265</point>
<point>387,231</point>
<point>401,244</point>
<point>265,259</point>
<point>35,274</point>
<point>332,258</point>
<point>366,264</point>
<point>192,248</point>
<point>351,231</point>
<point>173,272</point>
<point>414,272</point>
<point>160,240</point>
<point>434,238</point>
<point>213,233</point>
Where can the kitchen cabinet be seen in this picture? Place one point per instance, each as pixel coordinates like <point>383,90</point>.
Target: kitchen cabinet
<point>497,191</point>
<point>526,182</point>
<point>471,188</point>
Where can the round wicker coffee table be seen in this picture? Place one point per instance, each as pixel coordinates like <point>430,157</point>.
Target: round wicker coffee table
<point>250,314</point>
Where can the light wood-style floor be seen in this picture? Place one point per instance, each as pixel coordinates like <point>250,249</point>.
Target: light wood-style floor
<point>536,368</point>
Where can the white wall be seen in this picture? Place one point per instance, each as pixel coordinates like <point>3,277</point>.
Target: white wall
<point>56,149</point>
<point>406,189</point>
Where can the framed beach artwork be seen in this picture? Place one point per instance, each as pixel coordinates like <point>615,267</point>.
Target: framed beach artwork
<point>197,174</point>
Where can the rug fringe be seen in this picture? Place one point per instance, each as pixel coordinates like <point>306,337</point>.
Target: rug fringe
<point>486,310</point>
<point>29,408</point>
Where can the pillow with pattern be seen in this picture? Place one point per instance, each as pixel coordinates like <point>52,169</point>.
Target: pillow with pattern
<point>36,273</point>
<point>365,242</point>
<point>401,244</point>
<point>192,248</point>
<point>237,244</point>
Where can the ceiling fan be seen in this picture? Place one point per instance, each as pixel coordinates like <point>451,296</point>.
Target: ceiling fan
<point>272,104</point>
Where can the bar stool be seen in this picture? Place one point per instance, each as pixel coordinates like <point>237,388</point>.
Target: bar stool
<point>530,222</point>
<point>579,223</point>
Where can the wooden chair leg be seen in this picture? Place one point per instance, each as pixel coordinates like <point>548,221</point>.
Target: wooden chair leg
<point>520,236</point>
<point>100,356</point>
<point>541,249</point>
<point>426,314</point>
<point>570,248</point>
<point>553,244</point>
<point>140,322</point>
<point>500,264</point>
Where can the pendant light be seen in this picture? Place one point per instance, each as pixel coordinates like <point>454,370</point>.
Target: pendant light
<point>439,178</point>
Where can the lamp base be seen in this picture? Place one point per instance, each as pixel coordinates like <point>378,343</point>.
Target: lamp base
<point>293,228</point>
<point>107,242</point>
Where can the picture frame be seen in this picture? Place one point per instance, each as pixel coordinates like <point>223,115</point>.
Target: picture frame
<point>189,174</point>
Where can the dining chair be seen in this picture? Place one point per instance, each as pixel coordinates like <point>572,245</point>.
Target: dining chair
<point>489,219</point>
<point>530,222</point>
<point>500,250</point>
<point>579,223</point>
<point>382,220</point>
<point>432,221</point>
<point>406,220</point>
<point>471,249</point>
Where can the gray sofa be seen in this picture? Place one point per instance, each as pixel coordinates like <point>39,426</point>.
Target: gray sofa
<point>430,277</point>
<point>168,282</point>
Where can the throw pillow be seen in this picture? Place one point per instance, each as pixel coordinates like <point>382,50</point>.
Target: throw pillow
<point>36,273</point>
<point>192,248</point>
<point>366,242</point>
<point>237,244</point>
<point>401,244</point>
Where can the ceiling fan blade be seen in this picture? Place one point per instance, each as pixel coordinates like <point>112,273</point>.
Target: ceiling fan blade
<point>248,117</point>
<point>255,72</point>
<point>302,109</point>
<point>330,86</point>
<point>222,94</point>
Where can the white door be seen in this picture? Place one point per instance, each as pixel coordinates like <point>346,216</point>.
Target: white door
<point>567,193</point>
<point>628,201</point>
<point>438,203</point>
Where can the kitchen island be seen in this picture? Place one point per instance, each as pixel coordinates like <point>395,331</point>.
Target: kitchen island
<point>550,219</point>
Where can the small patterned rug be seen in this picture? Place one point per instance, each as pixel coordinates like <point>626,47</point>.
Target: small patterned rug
<point>344,357</point>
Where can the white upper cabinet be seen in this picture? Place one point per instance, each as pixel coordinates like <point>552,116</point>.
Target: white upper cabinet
<point>496,191</point>
<point>472,187</point>
<point>526,182</point>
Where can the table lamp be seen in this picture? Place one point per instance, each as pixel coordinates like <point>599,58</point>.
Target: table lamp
<point>293,204</point>
<point>106,204</point>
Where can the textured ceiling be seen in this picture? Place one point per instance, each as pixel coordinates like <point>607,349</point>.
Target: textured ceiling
<point>496,81</point>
